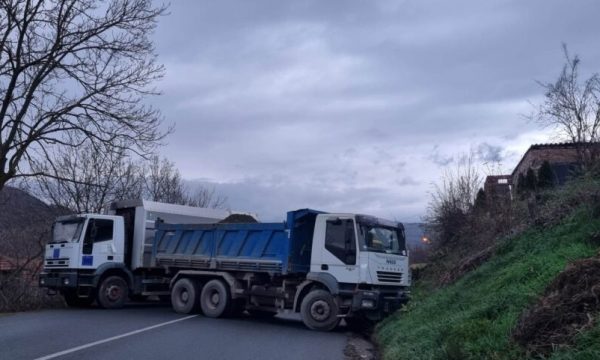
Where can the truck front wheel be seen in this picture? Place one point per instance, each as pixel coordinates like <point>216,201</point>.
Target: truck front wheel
<point>319,311</point>
<point>215,300</point>
<point>113,292</point>
<point>184,296</point>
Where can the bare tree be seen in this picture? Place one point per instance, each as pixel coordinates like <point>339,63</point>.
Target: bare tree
<point>572,107</point>
<point>452,200</point>
<point>162,182</point>
<point>94,178</point>
<point>75,72</point>
<point>205,197</point>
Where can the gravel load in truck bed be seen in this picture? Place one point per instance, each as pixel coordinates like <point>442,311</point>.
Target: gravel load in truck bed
<point>238,219</point>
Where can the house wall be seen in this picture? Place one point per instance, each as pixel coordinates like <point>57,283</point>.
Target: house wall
<point>534,158</point>
<point>498,186</point>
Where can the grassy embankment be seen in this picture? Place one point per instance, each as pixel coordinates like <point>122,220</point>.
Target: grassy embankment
<point>473,318</point>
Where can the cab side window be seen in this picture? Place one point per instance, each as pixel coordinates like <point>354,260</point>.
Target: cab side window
<point>340,240</point>
<point>104,230</point>
<point>99,230</point>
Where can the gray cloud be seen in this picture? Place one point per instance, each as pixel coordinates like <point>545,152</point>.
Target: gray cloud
<point>339,104</point>
<point>270,201</point>
<point>440,159</point>
<point>489,153</point>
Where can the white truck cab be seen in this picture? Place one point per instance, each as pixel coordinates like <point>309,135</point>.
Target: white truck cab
<point>360,249</point>
<point>85,241</point>
<point>365,258</point>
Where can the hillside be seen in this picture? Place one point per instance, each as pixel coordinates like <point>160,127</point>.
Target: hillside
<point>476,317</point>
<point>20,209</point>
<point>25,224</point>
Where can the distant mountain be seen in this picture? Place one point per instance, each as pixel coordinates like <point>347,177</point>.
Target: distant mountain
<point>24,218</point>
<point>20,209</point>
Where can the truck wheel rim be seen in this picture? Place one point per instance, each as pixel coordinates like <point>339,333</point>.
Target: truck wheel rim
<point>184,296</point>
<point>214,299</point>
<point>113,293</point>
<point>320,310</point>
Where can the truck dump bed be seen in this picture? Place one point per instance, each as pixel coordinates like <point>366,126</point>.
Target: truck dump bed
<point>277,248</point>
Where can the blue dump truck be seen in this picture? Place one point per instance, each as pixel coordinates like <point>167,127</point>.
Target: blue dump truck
<point>325,266</point>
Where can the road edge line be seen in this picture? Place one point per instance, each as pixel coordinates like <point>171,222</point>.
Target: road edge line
<point>112,338</point>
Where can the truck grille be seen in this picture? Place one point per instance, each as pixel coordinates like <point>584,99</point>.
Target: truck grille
<point>388,276</point>
<point>57,263</point>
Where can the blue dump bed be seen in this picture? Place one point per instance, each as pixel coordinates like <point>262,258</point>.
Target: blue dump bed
<point>277,248</point>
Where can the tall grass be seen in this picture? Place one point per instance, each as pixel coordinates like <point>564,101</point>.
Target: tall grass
<point>473,318</point>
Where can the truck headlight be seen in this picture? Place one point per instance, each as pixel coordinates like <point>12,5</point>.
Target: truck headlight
<point>367,303</point>
<point>42,281</point>
<point>66,281</point>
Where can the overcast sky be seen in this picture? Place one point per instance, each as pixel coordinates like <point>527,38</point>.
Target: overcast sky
<point>357,106</point>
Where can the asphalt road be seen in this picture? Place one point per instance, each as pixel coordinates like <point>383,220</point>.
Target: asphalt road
<point>156,332</point>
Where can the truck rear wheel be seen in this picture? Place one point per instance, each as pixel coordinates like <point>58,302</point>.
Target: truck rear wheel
<point>113,292</point>
<point>184,296</point>
<point>215,300</point>
<point>319,311</point>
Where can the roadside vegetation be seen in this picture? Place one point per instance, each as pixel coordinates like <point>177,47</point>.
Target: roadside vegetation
<point>476,316</point>
<point>515,274</point>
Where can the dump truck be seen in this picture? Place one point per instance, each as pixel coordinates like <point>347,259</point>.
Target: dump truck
<point>325,266</point>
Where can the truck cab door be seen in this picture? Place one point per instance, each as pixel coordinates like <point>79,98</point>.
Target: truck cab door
<point>98,245</point>
<point>335,242</point>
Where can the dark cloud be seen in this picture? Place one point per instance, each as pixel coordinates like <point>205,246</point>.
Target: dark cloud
<point>337,103</point>
<point>489,153</point>
<point>440,159</point>
<point>270,201</point>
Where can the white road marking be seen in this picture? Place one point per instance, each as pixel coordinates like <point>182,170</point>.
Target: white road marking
<point>72,350</point>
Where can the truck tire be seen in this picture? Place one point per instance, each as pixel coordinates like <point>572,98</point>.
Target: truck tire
<point>319,311</point>
<point>184,296</point>
<point>215,300</point>
<point>73,300</point>
<point>113,292</point>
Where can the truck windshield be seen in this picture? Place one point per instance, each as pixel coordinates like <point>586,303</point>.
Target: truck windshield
<point>67,231</point>
<point>382,239</point>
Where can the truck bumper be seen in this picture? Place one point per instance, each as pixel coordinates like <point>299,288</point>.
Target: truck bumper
<point>384,302</point>
<point>58,280</point>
